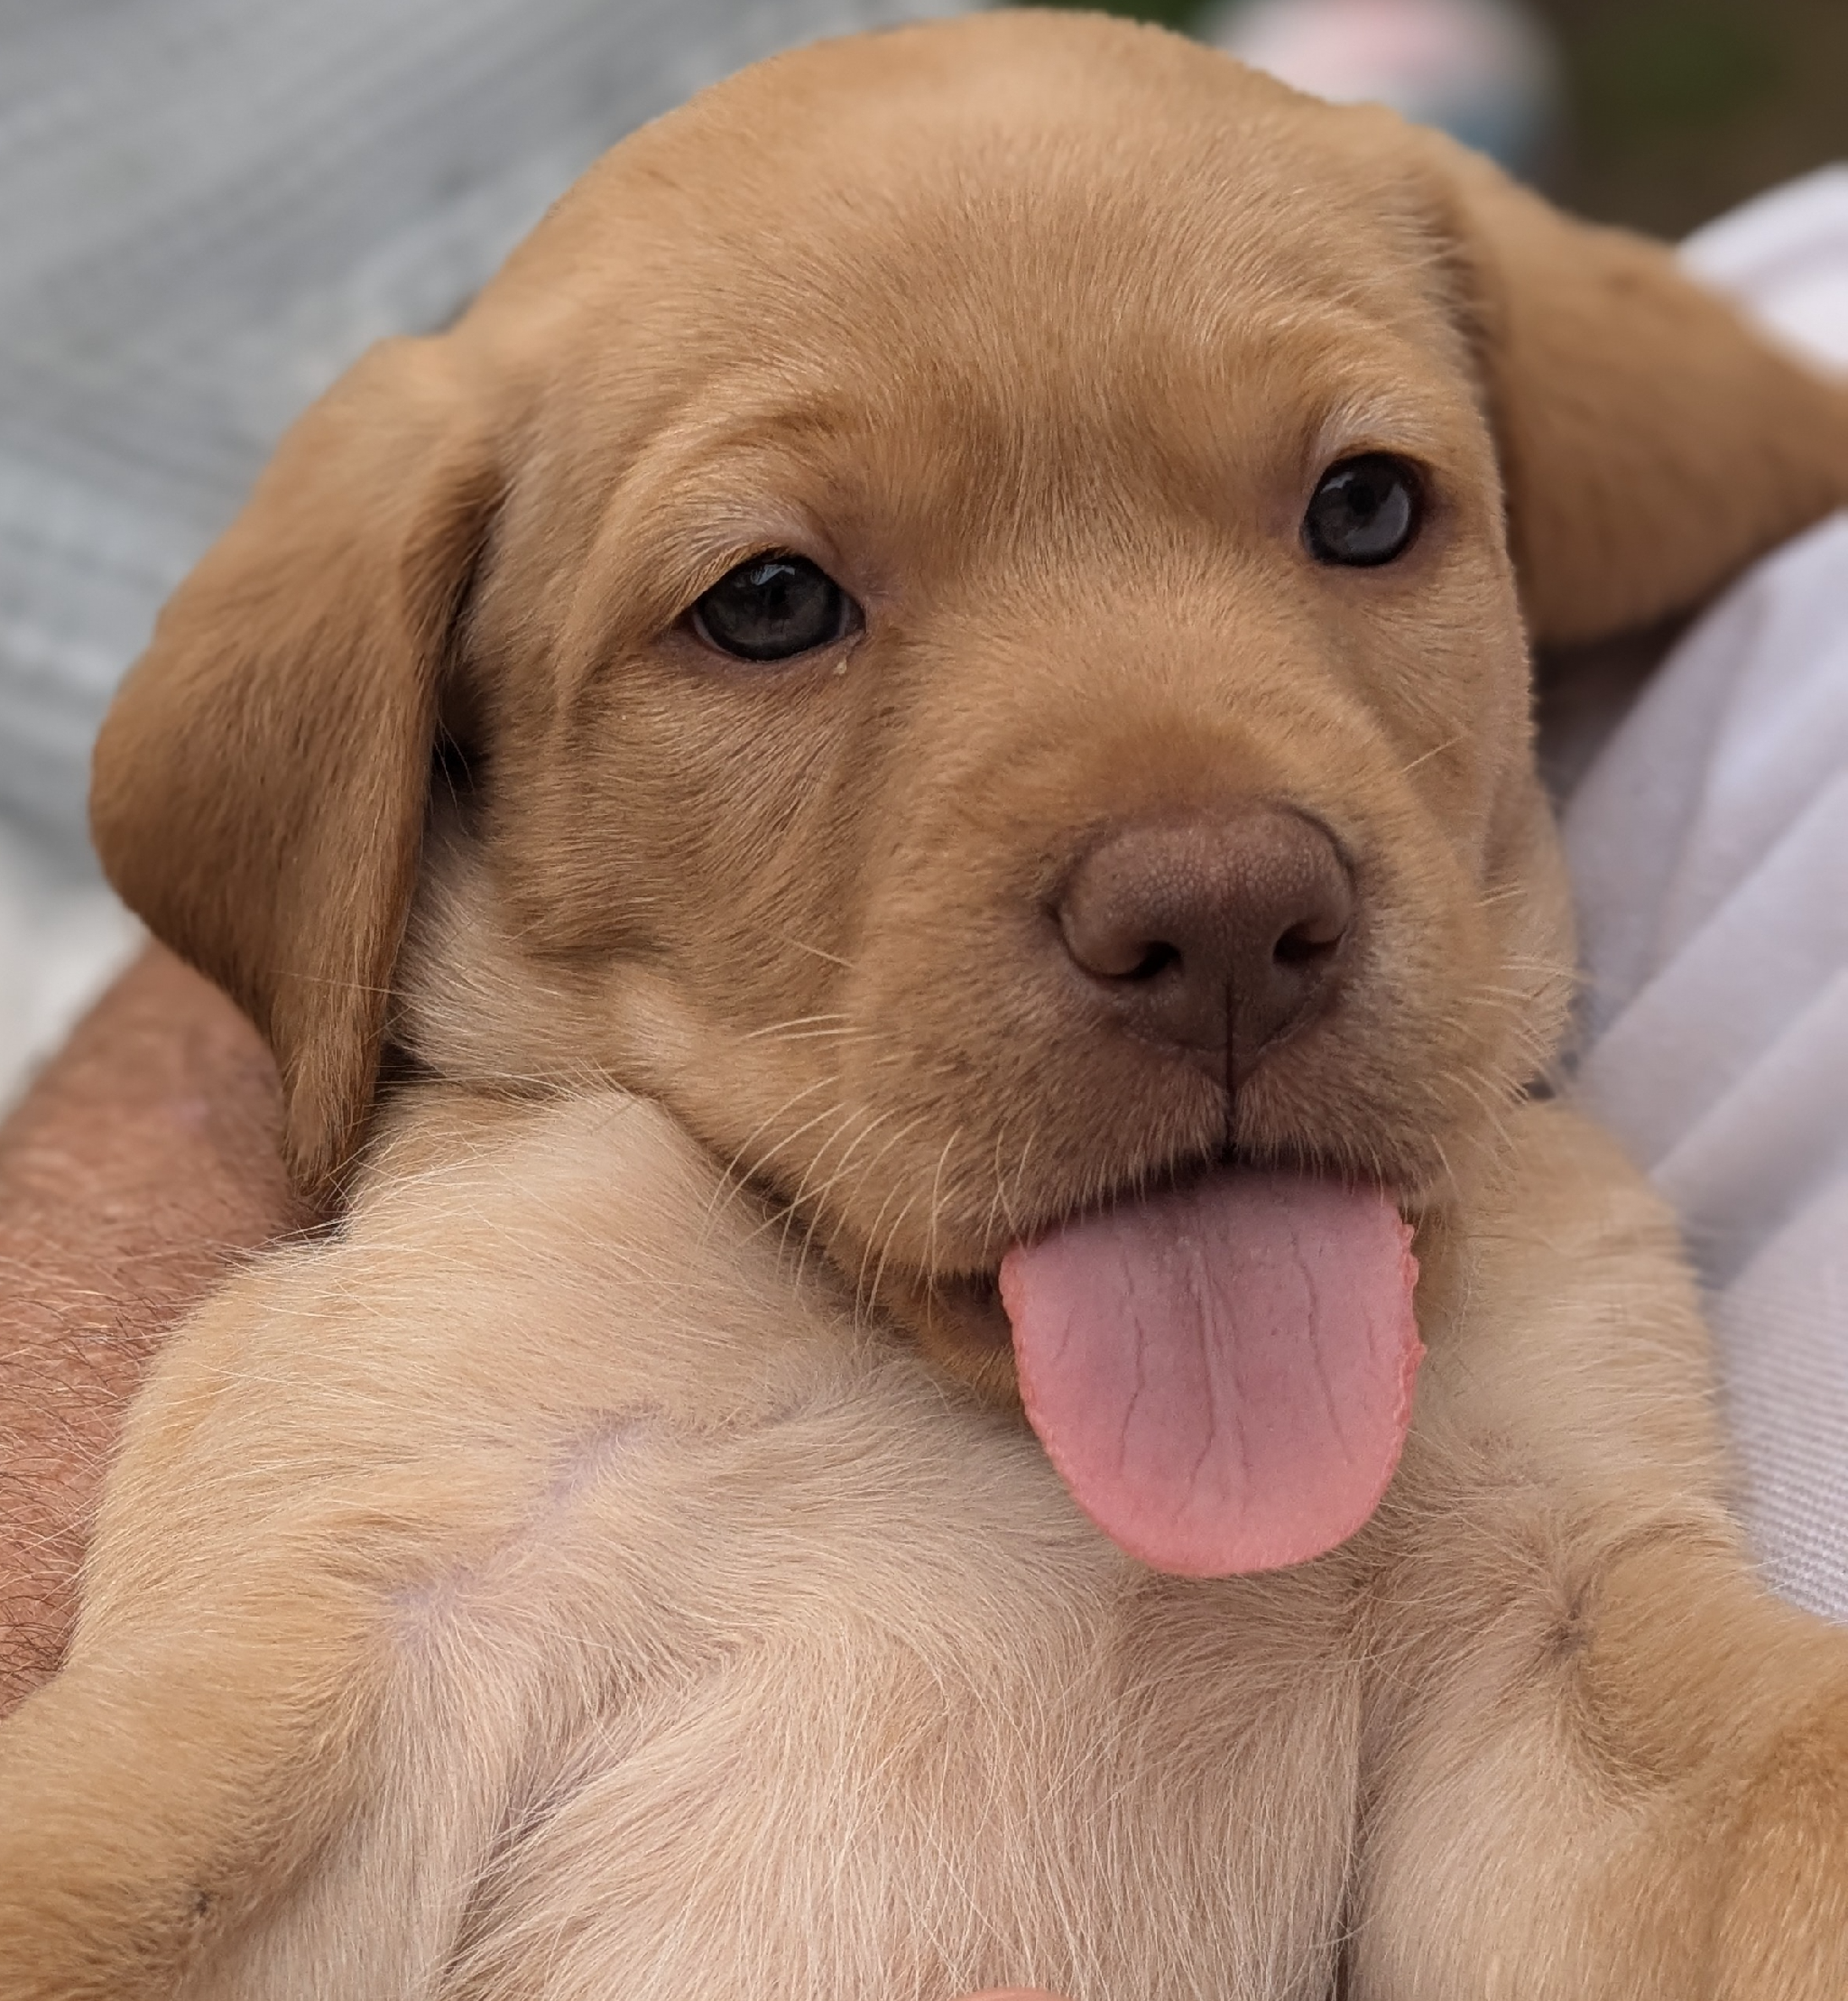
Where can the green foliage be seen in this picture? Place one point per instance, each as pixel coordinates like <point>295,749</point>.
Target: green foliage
<point>1169,13</point>
<point>1676,66</point>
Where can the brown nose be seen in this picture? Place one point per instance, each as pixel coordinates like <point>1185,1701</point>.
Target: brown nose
<point>1218,934</point>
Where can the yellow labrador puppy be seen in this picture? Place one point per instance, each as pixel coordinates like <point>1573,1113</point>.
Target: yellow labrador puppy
<point>884,821</point>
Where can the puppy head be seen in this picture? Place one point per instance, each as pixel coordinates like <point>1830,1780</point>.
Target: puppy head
<point>1124,762</point>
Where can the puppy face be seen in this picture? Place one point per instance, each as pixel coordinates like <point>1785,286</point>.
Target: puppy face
<point>1049,396</point>
<point>969,574</point>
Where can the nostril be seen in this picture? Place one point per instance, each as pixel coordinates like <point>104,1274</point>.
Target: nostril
<point>1306,945</point>
<point>1157,960</point>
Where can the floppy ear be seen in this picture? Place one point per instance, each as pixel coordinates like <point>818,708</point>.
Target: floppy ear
<point>259,787</point>
<point>1652,442</point>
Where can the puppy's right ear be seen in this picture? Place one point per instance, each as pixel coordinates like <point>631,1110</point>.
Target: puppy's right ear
<point>259,787</point>
<point>1652,443</point>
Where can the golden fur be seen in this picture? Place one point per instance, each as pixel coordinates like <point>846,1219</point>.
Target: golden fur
<point>612,1561</point>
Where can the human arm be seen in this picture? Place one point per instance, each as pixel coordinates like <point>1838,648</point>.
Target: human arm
<point>141,1166</point>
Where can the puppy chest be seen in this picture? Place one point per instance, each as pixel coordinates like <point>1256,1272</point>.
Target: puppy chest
<point>860,1735</point>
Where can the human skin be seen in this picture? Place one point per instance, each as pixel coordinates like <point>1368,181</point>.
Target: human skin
<point>142,1166</point>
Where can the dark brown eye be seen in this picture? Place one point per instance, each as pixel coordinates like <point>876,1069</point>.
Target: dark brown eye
<point>1366,511</point>
<point>773,608</point>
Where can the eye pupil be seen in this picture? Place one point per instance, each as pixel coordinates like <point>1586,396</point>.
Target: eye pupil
<point>772,608</point>
<point>1365,510</point>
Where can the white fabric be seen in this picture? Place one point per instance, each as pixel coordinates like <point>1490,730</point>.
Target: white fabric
<point>1709,848</point>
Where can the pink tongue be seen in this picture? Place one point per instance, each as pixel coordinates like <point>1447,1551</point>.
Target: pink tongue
<point>1223,1375</point>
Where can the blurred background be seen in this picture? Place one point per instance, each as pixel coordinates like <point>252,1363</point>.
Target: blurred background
<point>1675,109</point>
<point>209,207</point>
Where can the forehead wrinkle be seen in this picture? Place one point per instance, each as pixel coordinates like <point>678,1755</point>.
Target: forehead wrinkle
<point>1027,328</point>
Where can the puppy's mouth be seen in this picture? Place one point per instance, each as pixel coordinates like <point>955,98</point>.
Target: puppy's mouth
<point>1221,1371</point>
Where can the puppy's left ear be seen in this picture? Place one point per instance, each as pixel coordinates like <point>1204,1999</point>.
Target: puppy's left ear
<point>1652,442</point>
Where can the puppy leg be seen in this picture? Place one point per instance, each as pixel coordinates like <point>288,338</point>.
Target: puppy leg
<point>273,1783</point>
<point>154,1799</point>
<point>1631,1782</point>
